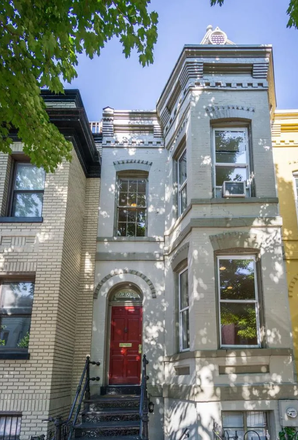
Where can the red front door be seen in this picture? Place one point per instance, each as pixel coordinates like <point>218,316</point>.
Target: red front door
<point>125,350</point>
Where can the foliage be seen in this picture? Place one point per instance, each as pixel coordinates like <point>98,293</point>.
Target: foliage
<point>292,11</point>
<point>40,43</point>
<point>24,342</point>
<point>287,433</point>
<point>2,341</point>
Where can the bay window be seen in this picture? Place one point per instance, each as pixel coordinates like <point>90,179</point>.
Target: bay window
<point>238,301</point>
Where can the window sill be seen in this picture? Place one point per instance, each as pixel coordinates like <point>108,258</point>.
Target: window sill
<point>21,219</point>
<point>14,355</point>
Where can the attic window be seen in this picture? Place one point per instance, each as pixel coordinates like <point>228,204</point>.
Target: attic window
<point>218,37</point>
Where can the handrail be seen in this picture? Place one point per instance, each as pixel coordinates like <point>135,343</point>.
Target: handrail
<point>80,396</point>
<point>65,428</point>
<point>185,434</point>
<point>143,411</point>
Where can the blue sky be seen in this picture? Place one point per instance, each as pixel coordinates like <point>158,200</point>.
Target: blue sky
<point>112,80</point>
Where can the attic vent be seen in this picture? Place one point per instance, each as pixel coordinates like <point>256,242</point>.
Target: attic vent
<point>217,37</point>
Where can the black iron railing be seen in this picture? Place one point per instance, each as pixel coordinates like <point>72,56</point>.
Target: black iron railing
<point>250,434</point>
<point>64,429</point>
<point>185,434</point>
<point>143,411</point>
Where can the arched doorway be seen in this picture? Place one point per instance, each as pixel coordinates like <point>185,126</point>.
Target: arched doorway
<point>125,350</point>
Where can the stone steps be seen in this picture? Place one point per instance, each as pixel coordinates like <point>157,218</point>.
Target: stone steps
<point>113,415</point>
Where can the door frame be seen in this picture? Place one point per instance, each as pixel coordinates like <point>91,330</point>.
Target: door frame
<point>111,304</point>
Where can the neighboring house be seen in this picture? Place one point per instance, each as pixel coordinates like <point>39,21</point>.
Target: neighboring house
<point>48,229</point>
<point>181,249</point>
<point>285,153</point>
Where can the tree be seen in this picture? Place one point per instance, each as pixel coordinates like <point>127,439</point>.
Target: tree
<point>40,42</point>
<point>292,11</point>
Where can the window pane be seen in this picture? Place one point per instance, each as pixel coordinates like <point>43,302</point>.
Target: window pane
<point>14,331</point>
<point>182,169</point>
<point>131,215</point>
<point>185,329</point>
<point>256,419</point>
<point>141,200</point>
<point>183,277</point>
<point>132,199</point>
<point>238,324</point>
<point>122,217</point>
<point>235,174</point>
<point>16,295</point>
<point>237,279</point>
<point>183,199</point>
<point>141,217</point>
<point>123,199</point>
<point>121,229</point>
<point>131,230</point>
<point>142,186</point>
<point>230,146</point>
<point>29,177</point>
<point>123,185</point>
<point>27,204</point>
<point>141,230</point>
<point>132,186</point>
<point>232,420</point>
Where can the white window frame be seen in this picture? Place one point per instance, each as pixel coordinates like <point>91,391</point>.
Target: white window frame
<point>183,185</point>
<point>181,349</point>
<point>26,191</point>
<point>255,301</point>
<point>127,178</point>
<point>246,165</point>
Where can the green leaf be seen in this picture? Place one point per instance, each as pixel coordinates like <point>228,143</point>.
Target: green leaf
<point>39,46</point>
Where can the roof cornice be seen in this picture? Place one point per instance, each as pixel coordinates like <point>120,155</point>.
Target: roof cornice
<point>204,52</point>
<point>67,112</point>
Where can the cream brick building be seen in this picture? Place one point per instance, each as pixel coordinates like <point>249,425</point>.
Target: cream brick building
<point>55,252</point>
<point>178,256</point>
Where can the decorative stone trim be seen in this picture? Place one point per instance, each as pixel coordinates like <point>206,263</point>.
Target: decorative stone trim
<point>229,111</point>
<point>260,70</point>
<point>191,70</point>
<point>132,164</point>
<point>180,255</point>
<point>179,131</point>
<point>292,285</point>
<point>125,271</point>
<point>231,240</point>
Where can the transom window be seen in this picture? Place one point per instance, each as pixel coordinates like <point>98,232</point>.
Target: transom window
<point>126,294</point>
<point>28,189</point>
<point>182,182</point>
<point>16,299</point>
<point>10,426</point>
<point>236,423</point>
<point>231,156</point>
<point>132,207</point>
<point>238,300</point>
<point>183,310</point>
